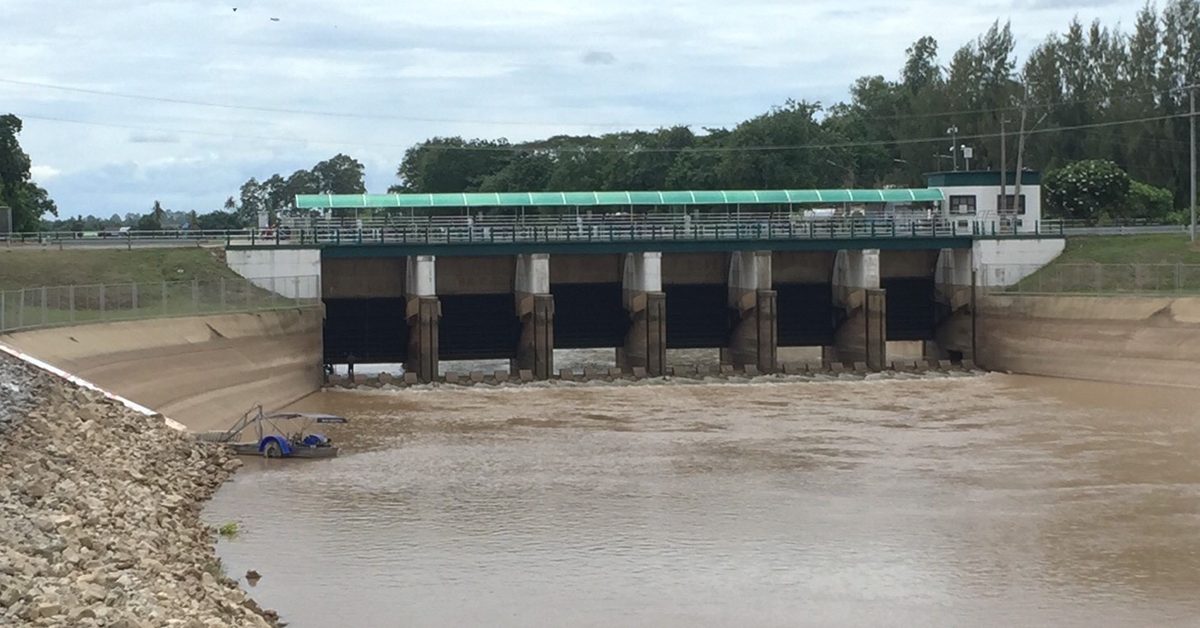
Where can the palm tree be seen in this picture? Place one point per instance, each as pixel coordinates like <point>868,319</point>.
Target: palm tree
<point>159,214</point>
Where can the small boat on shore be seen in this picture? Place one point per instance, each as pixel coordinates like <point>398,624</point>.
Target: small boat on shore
<point>279,435</point>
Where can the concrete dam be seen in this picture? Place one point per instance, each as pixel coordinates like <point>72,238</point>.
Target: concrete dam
<point>426,288</point>
<point>421,309</point>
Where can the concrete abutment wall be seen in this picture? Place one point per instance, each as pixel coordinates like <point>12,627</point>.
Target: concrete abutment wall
<point>203,371</point>
<point>1127,340</point>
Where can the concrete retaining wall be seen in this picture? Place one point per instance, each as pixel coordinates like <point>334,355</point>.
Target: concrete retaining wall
<point>202,371</point>
<point>1006,262</point>
<point>261,266</point>
<point>1130,340</point>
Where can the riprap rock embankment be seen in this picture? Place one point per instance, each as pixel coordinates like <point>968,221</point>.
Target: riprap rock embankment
<point>100,514</point>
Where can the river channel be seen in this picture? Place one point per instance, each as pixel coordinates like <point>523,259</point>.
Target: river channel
<point>991,500</point>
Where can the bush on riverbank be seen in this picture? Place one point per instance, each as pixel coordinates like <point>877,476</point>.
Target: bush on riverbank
<point>99,510</point>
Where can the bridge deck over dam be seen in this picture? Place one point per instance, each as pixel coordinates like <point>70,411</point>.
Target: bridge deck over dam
<point>422,288</point>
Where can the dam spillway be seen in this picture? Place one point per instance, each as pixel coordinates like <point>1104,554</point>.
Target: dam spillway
<point>391,302</point>
<point>741,272</point>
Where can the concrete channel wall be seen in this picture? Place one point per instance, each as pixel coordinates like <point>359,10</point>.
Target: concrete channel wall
<point>203,371</point>
<point>1127,340</point>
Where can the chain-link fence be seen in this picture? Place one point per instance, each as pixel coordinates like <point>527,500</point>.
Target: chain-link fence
<point>1133,279</point>
<point>30,308</point>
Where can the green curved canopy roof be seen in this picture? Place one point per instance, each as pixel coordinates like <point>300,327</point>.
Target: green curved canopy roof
<point>592,199</point>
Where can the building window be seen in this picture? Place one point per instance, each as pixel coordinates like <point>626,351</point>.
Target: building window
<point>1007,208</point>
<point>962,204</point>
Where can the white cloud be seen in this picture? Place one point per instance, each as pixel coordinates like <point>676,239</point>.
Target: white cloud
<point>455,67</point>
<point>42,173</point>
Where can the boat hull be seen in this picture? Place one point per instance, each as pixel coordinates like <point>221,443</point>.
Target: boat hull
<point>251,449</point>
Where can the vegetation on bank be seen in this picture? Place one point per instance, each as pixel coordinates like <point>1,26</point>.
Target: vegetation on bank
<point>1169,248</point>
<point>1131,264</point>
<point>1099,191</point>
<point>27,268</point>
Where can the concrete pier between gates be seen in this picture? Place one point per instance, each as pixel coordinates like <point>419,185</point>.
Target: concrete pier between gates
<point>862,336</point>
<point>535,309</point>
<point>423,312</point>
<point>753,337</point>
<point>643,297</point>
<point>954,286</point>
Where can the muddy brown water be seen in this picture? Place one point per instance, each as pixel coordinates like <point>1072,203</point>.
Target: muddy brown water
<point>994,500</point>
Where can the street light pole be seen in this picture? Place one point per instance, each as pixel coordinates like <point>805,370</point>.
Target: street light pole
<point>953,133</point>
<point>849,171</point>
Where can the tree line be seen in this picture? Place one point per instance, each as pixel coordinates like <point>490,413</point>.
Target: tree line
<point>1076,93</point>
<point>338,175</point>
<point>1091,92</point>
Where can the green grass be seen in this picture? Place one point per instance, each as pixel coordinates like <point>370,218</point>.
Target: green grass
<point>229,530</point>
<point>51,287</point>
<point>1130,249</point>
<point>1136,264</point>
<point>66,305</point>
<point>28,268</point>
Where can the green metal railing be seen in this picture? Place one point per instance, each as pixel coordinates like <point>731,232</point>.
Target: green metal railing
<point>558,228</point>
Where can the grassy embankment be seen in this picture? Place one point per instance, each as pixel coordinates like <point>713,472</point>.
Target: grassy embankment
<point>34,268</point>
<point>1130,264</point>
<point>169,282</point>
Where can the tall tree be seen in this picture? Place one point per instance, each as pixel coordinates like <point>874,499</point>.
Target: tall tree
<point>451,164</point>
<point>340,175</point>
<point>253,201</point>
<point>27,200</point>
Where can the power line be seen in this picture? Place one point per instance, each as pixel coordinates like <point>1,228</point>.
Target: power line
<point>516,123</point>
<point>532,148</point>
<point>317,112</point>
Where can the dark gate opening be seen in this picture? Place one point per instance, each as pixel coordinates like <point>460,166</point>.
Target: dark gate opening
<point>373,330</point>
<point>698,316</point>
<point>588,315</point>
<point>911,309</point>
<point>805,315</point>
<point>478,327</point>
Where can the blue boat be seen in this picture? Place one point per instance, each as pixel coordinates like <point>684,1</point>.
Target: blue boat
<point>280,435</point>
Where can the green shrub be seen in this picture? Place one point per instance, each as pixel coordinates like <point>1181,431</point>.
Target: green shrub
<point>1148,202</point>
<point>1086,189</point>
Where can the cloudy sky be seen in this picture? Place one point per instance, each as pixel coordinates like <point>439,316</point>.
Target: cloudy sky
<point>371,77</point>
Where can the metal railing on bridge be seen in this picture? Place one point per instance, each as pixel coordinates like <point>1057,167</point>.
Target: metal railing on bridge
<point>541,228</point>
<point>664,227</point>
<point>49,306</point>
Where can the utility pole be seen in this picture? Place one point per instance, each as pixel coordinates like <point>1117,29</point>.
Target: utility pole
<point>1192,146</point>
<point>1021,149</point>
<point>1003,167</point>
<point>953,133</point>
